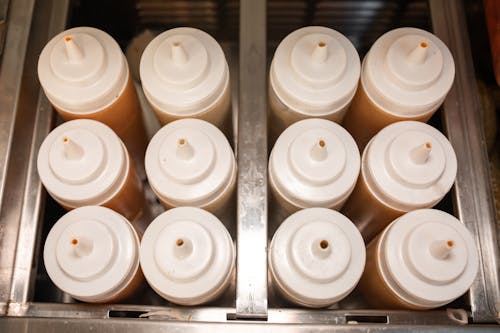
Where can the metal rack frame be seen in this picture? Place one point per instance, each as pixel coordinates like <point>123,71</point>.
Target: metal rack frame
<point>21,195</point>
<point>472,193</point>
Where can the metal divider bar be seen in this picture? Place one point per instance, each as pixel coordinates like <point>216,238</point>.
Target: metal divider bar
<point>473,196</point>
<point>48,19</point>
<point>11,68</point>
<point>251,280</point>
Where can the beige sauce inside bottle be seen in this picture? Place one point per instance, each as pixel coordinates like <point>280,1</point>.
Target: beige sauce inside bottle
<point>364,118</point>
<point>373,286</point>
<point>369,214</point>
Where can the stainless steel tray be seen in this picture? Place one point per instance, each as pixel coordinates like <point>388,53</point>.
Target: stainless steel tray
<point>29,301</point>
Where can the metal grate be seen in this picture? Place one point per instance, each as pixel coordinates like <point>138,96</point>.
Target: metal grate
<point>219,18</point>
<point>361,21</point>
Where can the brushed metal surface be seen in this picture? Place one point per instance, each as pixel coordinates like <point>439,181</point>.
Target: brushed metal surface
<point>225,314</point>
<point>11,324</point>
<point>11,70</point>
<point>251,280</point>
<point>38,112</point>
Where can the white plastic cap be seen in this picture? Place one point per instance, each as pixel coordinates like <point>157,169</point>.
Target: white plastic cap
<point>315,71</point>
<point>317,257</point>
<point>82,70</point>
<point>315,162</point>
<point>408,72</point>
<point>82,162</point>
<point>428,258</point>
<point>92,253</point>
<point>409,165</point>
<point>187,256</point>
<point>183,72</point>
<point>189,162</point>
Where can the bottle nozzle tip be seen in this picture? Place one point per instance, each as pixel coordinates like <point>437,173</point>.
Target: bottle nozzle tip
<point>183,248</point>
<point>419,54</point>
<point>441,249</point>
<point>321,248</point>
<point>73,51</point>
<point>320,52</point>
<point>420,154</point>
<point>179,55</point>
<point>319,150</point>
<point>72,150</point>
<point>82,246</point>
<point>184,150</point>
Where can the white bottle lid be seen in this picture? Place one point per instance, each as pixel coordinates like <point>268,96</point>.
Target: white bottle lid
<point>189,162</point>
<point>187,256</point>
<point>428,258</point>
<point>409,165</point>
<point>82,70</point>
<point>408,72</point>
<point>314,162</point>
<point>317,257</point>
<point>184,71</point>
<point>82,162</point>
<point>92,253</point>
<point>315,71</point>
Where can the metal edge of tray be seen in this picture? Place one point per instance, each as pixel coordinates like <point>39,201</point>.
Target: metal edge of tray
<point>12,324</point>
<point>251,279</point>
<point>124,325</point>
<point>473,196</point>
<point>32,195</point>
<point>13,60</point>
<point>212,314</point>
<point>223,314</point>
<point>253,299</point>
